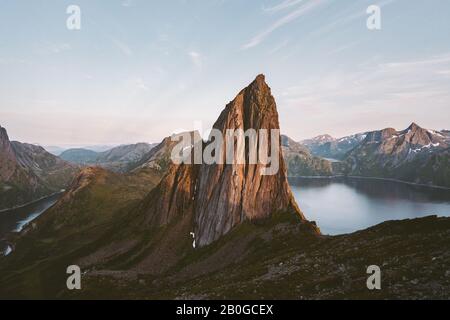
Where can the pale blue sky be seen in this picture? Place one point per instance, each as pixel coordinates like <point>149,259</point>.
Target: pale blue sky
<point>139,70</point>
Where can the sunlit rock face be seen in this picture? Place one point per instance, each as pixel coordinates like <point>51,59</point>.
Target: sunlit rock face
<point>219,196</point>
<point>228,194</point>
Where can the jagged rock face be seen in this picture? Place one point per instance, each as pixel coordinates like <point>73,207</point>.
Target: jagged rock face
<point>173,197</point>
<point>220,196</point>
<point>229,194</point>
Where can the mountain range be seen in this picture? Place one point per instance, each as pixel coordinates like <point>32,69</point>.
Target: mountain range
<point>199,231</point>
<point>118,159</point>
<point>415,154</point>
<point>325,146</point>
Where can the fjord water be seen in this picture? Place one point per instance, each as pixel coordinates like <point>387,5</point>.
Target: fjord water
<point>15,219</point>
<point>338,205</point>
<point>344,205</point>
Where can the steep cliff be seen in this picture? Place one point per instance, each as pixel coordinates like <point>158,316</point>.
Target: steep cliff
<point>230,194</point>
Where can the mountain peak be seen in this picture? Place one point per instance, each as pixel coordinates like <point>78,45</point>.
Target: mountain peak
<point>258,86</point>
<point>3,136</point>
<point>228,195</point>
<point>218,197</point>
<point>260,80</point>
<point>414,126</point>
<point>6,150</point>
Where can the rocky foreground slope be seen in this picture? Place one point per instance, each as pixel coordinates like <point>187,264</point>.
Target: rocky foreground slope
<point>279,260</point>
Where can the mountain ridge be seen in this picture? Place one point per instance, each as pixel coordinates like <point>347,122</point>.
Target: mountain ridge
<point>414,154</point>
<point>28,172</point>
<point>121,158</point>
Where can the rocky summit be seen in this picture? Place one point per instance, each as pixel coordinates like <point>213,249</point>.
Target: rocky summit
<point>221,196</point>
<point>230,194</point>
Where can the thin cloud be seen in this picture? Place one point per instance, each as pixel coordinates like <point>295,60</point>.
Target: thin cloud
<point>196,58</point>
<point>53,48</point>
<point>123,47</point>
<point>283,5</point>
<point>387,85</point>
<point>279,47</point>
<point>127,3</point>
<point>347,18</point>
<point>58,48</point>
<point>299,12</point>
<point>437,59</point>
<point>141,85</point>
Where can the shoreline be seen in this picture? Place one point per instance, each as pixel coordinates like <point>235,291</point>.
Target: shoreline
<point>372,178</point>
<point>32,202</point>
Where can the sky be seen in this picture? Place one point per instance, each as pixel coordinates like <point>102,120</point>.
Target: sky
<point>140,70</point>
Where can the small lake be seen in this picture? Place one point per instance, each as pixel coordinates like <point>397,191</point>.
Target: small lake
<point>344,205</point>
<point>15,219</point>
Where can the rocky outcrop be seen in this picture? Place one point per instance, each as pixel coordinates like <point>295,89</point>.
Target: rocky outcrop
<point>221,196</point>
<point>230,194</point>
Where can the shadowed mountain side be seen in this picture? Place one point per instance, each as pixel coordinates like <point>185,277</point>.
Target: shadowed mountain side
<point>89,212</point>
<point>28,172</point>
<point>300,162</point>
<point>278,260</point>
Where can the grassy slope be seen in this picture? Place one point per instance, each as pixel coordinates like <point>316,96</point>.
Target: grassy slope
<point>94,203</point>
<point>278,260</point>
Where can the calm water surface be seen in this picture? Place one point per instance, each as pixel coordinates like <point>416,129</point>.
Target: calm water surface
<point>15,219</point>
<point>338,205</point>
<point>343,205</point>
